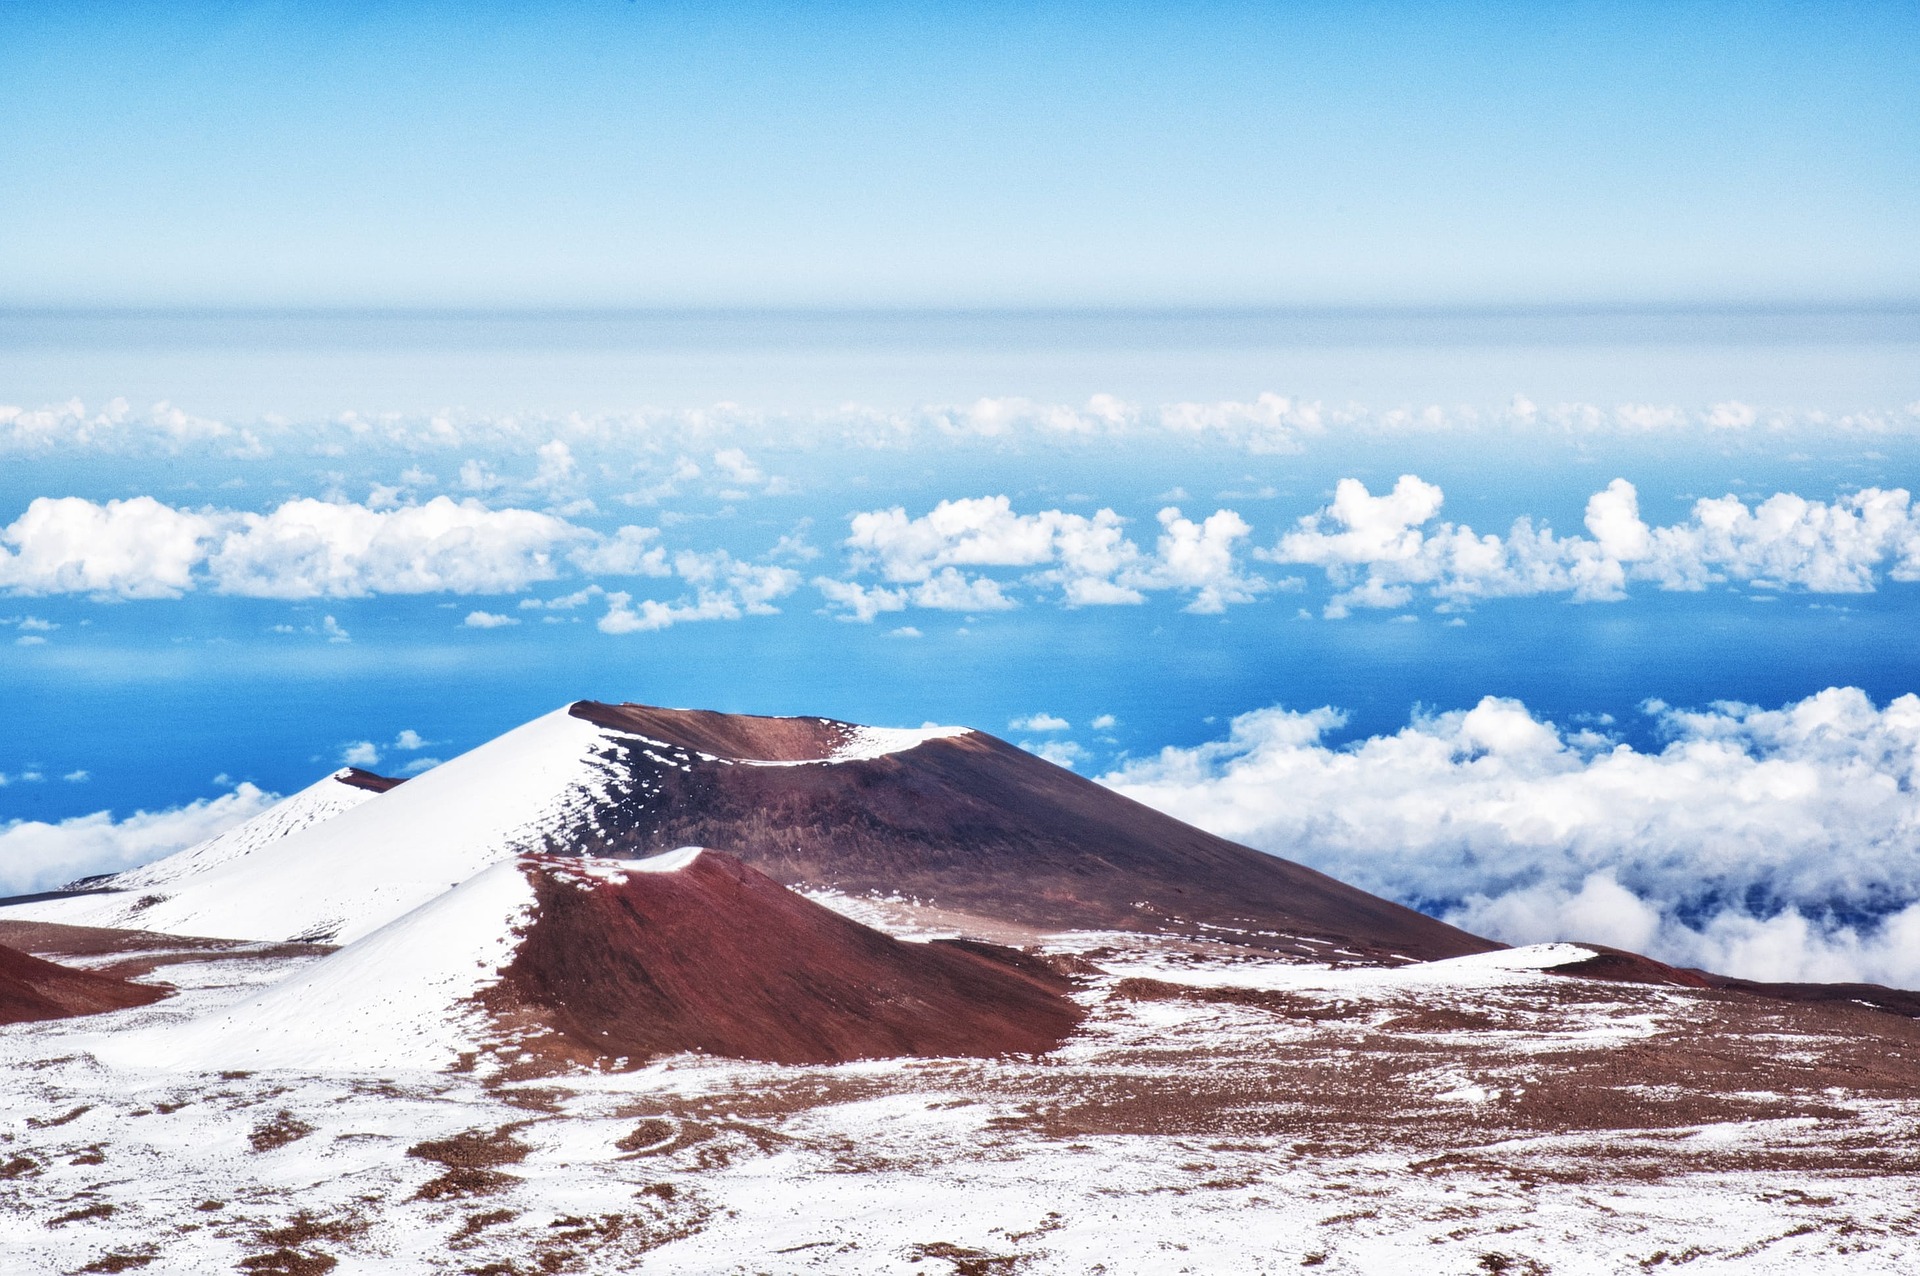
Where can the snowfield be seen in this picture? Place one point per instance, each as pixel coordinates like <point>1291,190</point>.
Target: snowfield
<point>338,879</point>
<point>1218,1112</point>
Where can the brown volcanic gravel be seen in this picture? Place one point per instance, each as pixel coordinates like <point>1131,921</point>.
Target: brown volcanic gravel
<point>969,823</point>
<point>31,989</point>
<point>718,958</point>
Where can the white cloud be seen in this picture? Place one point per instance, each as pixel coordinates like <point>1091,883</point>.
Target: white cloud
<point>630,551</point>
<point>137,548</point>
<point>556,466</point>
<point>1381,551</point>
<point>1198,557</point>
<point>334,633</point>
<point>734,464</point>
<point>1105,722</point>
<point>361,753</point>
<point>305,548</point>
<point>725,588</point>
<point>410,740</point>
<point>488,620</point>
<point>860,602</point>
<point>1088,558</point>
<point>1059,752</point>
<point>951,590</point>
<point>37,856</point>
<point>1779,844</point>
<point>1042,721</point>
<point>905,631</point>
<point>1272,423</point>
<point>309,549</point>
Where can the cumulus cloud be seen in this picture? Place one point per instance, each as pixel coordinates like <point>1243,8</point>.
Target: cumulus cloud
<point>1768,843</point>
<point>1064,753</point>
<point>940,559</point>
<point>137,548</point>
<point>310,549</point>
<point>859,602</point>
<point>361,753</point>
<point>724,588</point>
<point>488,620</point>
<point>305,548</point>
<point>37,856</point>
<point>1383,551</point>
<point>1042,721</point>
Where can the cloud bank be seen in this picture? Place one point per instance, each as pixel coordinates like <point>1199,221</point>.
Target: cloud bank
<point>1383,551</point>
<point>1268,423</point>
<point>934,560</point>
<point>967,554</point>
<point>1778,844</point>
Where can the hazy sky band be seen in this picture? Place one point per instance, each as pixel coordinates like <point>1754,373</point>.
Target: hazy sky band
<point>640,153</point>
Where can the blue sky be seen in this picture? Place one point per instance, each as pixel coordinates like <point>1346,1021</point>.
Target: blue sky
<point>1037,154</point>
<point>1469,449</point>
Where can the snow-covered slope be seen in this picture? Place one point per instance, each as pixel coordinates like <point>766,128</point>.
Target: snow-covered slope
<point>315,804</point>
<point>338,880</point>
<point>584,959</point>
<point>331,865</point>
<point>400,997</point>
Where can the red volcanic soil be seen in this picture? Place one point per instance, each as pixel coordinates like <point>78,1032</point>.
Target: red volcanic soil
<point>973,824</point>
<point>1620,966</point>
<point>718,958</point>
<point>33,989</point>
<point>355,778</point>
<point>725,735</point>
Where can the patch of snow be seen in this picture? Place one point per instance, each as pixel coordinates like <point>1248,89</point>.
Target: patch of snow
<point>315,804</point>
<point>669,862</point>
<point>1530,957</point>
<point>876,742</point>
<point>399,998</point>
<point>344,878</point>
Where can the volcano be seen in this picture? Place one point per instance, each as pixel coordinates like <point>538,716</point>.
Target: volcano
<point>575,960</point>
<point>968,822</point>
<point>946,816</point>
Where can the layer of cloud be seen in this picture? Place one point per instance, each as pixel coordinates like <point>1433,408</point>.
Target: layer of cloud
<point>143,548</point>
<point>1773,844</point>
<point>940,559</point>
<point>37,856</point>
<point>1384,551</point>
<point>550,447</point>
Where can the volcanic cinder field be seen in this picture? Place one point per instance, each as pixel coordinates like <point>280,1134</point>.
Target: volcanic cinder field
<point>631,989</point>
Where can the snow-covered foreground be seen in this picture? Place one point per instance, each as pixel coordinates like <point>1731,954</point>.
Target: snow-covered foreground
<point>1218,1113</point>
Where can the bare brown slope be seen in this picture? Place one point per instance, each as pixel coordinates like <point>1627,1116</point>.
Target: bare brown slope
<point>33,989</point>
<point>356,778</point>
<point>718,958</point>
<point>972,823</point>
<point>724,735</point>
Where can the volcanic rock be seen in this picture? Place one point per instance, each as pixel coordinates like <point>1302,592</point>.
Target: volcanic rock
<point>32,989</point>
<point>694,950</point>
<point>967,822</point>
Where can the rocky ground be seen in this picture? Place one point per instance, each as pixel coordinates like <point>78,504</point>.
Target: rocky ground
<point>1218,1110</point>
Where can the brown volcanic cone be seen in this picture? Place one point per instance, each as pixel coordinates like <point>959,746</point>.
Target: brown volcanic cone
<point>969,822</point>
<point>33,989</point>
<point>716,957</point>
